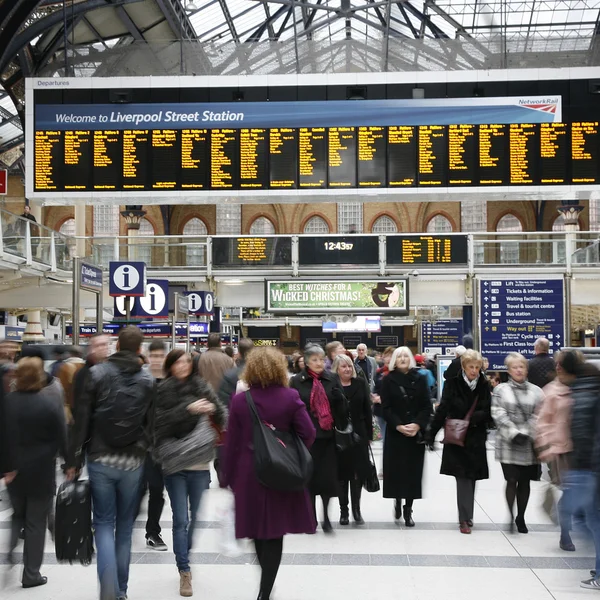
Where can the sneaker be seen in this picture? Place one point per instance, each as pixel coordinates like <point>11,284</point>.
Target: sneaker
<point>156,543</point>
<point>591,584</point>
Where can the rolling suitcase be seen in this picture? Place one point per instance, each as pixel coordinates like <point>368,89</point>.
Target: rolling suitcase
<point>73,523</point>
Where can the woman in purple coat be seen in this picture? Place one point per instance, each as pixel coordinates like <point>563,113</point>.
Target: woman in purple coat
<point>263,514</point>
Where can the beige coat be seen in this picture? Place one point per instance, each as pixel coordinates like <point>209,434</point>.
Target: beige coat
<point>212,366</point>
<point>554,422</point>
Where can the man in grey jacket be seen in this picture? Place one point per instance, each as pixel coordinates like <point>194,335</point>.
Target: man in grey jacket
<point>366,364</point>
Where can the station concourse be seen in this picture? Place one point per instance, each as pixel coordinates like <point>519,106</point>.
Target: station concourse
<point>402,173</point>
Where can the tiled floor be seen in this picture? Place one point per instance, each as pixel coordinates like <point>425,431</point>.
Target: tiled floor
<point>430,562</point>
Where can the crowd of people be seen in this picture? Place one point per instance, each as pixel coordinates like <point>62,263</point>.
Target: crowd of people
<point>149,423</point>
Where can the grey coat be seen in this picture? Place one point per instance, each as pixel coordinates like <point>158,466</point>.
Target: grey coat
<point>514,409</point>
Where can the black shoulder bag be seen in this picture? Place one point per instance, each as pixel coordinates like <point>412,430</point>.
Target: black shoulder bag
<point>281,460</point>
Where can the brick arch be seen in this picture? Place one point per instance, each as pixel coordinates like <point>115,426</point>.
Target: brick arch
<point>404,212</point>
<point>188,218</point>
<point>62,221</point>
<point>258,216</point>
<point>512,212</point>
<point>443,213</point>
<point>384,213</point>
<point>152,222</point>
<point>315,214</point>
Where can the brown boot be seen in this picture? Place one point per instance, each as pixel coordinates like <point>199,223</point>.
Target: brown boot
<point>185,584</point>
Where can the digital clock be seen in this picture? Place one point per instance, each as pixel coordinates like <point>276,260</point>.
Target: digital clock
<point>338,250</point>
<point>338,246</point>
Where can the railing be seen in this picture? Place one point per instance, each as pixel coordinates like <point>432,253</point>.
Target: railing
<point>24,242</point>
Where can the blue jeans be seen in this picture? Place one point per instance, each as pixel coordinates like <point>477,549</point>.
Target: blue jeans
<point>382,426</point>
<point>185,489</point>
<point>115,495</point>
<point>580,489</point>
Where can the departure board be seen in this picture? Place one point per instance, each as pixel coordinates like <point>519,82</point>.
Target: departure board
<point>426,249</point>
<point>433,155</point>
<point>584,152</point>
<point>283,158</point>
<point>372,145</point>
<point>78,152</point>
<point>554,143</point>
<point>49,153</point>
<point>254,159</point>
<point>194,159</point>
<point>165,158</point>
<point>224,159</point>
<point>312,157</point>
<point>108,160</point>
<point>342,157</point>
<point>338,250</point>
<point>493,148</point>
<point>136,144</point>
<point>462,150</point>
<point>250,251</point>
<point>524,154</point>
<point>402,156</point>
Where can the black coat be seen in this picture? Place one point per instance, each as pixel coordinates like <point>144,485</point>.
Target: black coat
<point>37,434</point>
<point>585,423</point>
<point>542,369</point>
<point>403,456</point>
<point>172,418</point>
<point>324,481</point>
<point>355,461</point>
<point>454,368</point>
<point>469,462</point>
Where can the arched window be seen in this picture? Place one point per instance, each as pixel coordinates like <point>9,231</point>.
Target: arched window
<point>439,224</point>
<point>559,223</point>
<point>509,251</point>
<point>384,224</point>
<point>195,254</point>
<point>143,250</point>
<point>68,228</point>
<point>262,226</point>
<point>316,224</point>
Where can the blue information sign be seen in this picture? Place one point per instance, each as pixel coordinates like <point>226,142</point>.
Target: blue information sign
<point>90,278</point>
<point>152,329</point>
<point>440,336</point>
<point>513,313</point>
<point>153,304</point>
<point>201,303</point>
<point>127,279</point>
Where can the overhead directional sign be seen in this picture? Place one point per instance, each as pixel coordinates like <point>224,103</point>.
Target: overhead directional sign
<point>441,335</point>
<point>515,312</point>
<point>152,305</point>
<point>201,303</point>
<point>127,279</point>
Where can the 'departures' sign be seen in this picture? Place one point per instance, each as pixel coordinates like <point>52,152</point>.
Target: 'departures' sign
<point>371,296</point>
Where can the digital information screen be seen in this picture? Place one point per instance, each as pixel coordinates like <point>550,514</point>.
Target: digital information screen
<point>251,251</point>
<point>317,157</point>
<point>338,250</point>
<point>426,249</point>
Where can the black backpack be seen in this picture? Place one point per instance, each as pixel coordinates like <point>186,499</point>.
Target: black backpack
<point>281,460</point>
<point>120,411</point>
<point>73,523</point>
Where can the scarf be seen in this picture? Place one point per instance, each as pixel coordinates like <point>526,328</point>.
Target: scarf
<point>472,384</point>
<point>521,387</point>
<point>319,404</point>
<point>383,371</point>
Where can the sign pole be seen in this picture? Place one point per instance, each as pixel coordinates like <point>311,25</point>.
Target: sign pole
<point>99,312</point>
<point>127,311</point>
<point>76,302</point>
<point>174,330</point>
<point>188,344</point>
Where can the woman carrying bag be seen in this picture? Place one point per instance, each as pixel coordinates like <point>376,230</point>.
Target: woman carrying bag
<point>188,414</point>
<point>264,514</point>
<point>466,396</point>
<point>354,463</point>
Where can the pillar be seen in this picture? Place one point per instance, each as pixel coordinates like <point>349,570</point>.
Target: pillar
<point>33,330</point>
<point>38,246</point>
<point>133,216</point>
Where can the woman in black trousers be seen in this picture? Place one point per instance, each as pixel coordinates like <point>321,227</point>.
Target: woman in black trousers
<point>467,464</point>
<point>37,433</point>
<point>406,408</point>
<point>354,464</point>
<point>322,393</point>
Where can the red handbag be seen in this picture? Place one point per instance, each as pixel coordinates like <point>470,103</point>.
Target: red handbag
<point>455,430</point>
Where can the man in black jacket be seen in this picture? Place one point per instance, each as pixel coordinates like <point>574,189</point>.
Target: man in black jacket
<point>542,369</point>
<point>232,376</point>
<point>112,429</point>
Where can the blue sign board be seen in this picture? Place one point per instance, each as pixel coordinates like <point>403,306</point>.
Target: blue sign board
<point>153,304</point>
<point>441,336</point>
<point>152,329</point>
<point>513,313</point>
<point>90,278</point>
<point>127,279</point>
<point>201,303</point>
<point>15,334</point>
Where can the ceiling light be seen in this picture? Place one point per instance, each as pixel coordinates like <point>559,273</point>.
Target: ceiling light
<point>233,282</point>
<point>191,5</point>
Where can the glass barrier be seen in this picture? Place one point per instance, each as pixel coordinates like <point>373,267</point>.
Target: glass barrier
<point>13,234</point>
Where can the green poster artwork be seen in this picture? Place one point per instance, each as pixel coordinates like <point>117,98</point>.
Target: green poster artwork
<point>316,296</point>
